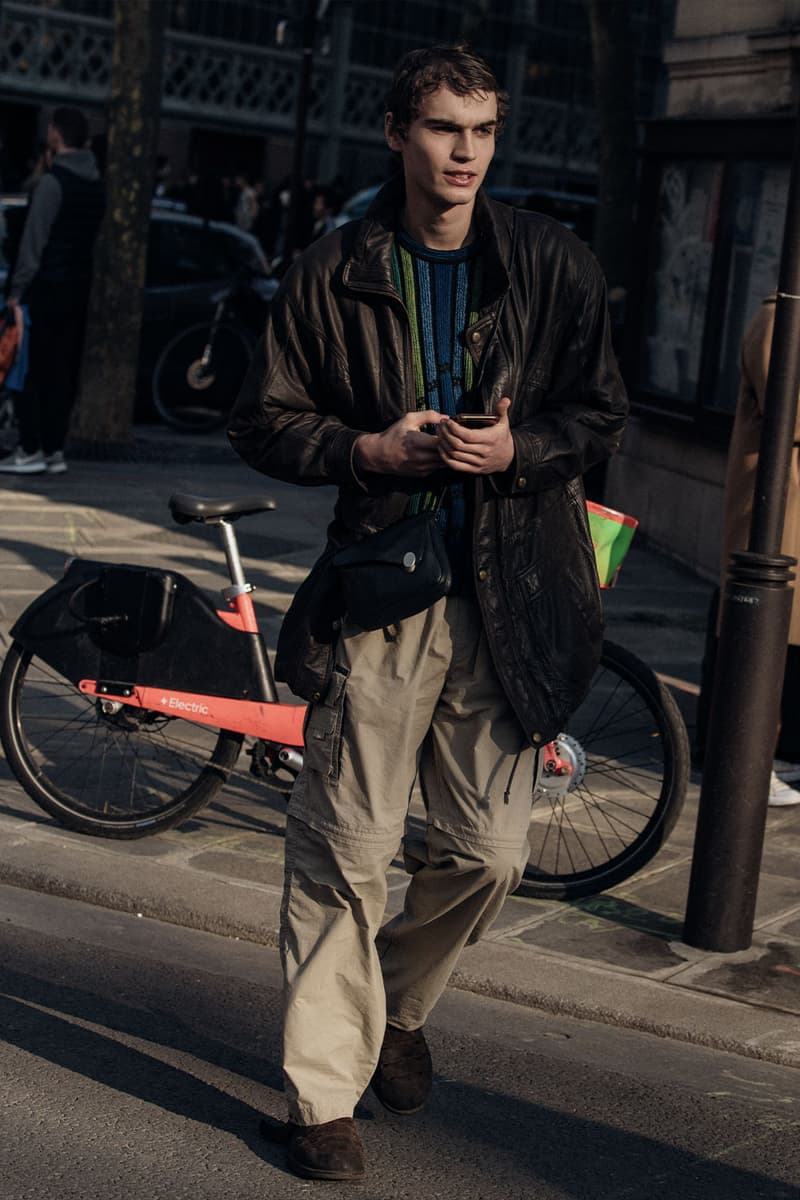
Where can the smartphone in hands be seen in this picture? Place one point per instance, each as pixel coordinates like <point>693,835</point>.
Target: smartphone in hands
<point>476,420</point>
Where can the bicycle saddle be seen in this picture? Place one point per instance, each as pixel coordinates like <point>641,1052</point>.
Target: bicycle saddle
<point>199,508</point>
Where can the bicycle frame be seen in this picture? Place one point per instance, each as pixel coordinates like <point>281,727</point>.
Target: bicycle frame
<point>220,313</point>
<point>273,722</point>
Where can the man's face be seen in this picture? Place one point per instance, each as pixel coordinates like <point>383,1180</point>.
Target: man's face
<point>448,147</point>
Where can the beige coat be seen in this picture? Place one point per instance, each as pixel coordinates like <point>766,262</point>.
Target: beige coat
<point>743,454</point>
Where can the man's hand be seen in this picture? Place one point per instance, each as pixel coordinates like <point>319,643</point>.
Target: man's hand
<point>478,451</point>
<point>402,449</point>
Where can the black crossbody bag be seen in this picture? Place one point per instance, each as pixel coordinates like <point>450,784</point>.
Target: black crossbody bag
<point>396,573</point>
<point>403,569</point>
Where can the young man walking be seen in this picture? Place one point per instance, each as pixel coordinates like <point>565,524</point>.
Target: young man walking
<point>438,302</point>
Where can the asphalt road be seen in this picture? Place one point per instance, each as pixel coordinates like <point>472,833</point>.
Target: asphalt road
<point>137,1057</point>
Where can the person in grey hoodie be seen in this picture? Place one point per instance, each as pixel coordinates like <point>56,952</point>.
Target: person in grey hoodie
<point>52,276</point>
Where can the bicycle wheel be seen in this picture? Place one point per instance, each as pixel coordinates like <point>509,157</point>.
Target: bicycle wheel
<point>189,395</point>
<point>117,774</point>
<point>629,752</point>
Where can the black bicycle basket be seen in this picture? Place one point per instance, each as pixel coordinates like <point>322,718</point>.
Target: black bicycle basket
<point>125,610</point>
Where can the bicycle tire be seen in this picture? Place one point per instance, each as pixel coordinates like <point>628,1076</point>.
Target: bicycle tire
<point>630,754</point>
<point>192,401</point>
<point>123,775</point>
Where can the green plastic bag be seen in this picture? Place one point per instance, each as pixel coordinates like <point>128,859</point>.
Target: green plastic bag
<point>612,533</point>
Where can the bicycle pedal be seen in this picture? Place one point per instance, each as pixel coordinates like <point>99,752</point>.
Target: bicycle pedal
<point>260,762</point>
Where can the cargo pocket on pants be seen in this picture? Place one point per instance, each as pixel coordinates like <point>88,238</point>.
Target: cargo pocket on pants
<point>323,731</point>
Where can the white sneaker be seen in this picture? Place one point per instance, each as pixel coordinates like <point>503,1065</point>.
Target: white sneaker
<point>781,795</point>
<point>55,464</point>
<point>20,463</point>
<point>788,772</point>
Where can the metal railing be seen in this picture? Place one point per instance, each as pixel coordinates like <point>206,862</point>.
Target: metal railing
<point>48,56</point>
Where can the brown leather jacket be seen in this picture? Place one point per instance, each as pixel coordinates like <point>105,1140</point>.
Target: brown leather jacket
<point>335,361</point>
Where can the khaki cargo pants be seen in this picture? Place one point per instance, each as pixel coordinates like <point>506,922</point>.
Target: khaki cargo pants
<point>418,701</point>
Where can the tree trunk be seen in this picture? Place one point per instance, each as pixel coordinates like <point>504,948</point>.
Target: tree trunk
<point>614,86</point>
<point>108,376</point>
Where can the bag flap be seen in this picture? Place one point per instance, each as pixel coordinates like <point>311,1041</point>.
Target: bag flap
<point>391,545</point>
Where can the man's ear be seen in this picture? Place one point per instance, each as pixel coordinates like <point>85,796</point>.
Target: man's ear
<point>394,140</point>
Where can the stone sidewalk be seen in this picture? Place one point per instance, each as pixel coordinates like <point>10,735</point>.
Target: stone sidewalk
<point>615,958</point>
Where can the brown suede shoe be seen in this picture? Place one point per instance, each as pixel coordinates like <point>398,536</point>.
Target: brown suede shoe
<point>330,1151</point>
<point>404,1075</point>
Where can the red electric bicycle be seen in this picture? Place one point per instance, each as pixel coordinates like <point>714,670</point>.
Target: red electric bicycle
<point>125,698</point>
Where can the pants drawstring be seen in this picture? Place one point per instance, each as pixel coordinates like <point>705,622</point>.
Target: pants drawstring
<point>514,765</point>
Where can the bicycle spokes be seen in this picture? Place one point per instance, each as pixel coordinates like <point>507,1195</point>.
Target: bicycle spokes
<point>624,759</point>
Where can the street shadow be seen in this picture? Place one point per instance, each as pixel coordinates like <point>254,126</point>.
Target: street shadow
<point>174,551</point>
<point>246,803</point>
<point>630,916</point>
<point>572,1142</point>
<point>575,1156</point>
<point>14,802</point>
<point>104,1059</point>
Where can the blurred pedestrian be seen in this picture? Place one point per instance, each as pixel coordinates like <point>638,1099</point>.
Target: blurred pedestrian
<point>206,197</point>
<point>163,174</point>
<point>338,191</point>
<point>38,165</point>
<point>246,207</point>
<point>10,178</point>
<point>324,218</point>
<point>738,509</point>
<point>99,148</point>
<point>273,223</point>
<point>52,276</point>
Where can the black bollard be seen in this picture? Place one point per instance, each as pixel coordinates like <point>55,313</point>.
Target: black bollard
<point>757,607</point>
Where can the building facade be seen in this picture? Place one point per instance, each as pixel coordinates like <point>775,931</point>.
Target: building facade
<point>714,183</point>
<point>231,70</point>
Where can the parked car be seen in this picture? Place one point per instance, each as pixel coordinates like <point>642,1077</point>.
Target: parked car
<point>189,261</point>
<point>573,209</point>
<point>357,205</point>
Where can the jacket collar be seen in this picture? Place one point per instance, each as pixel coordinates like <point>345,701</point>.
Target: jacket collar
<point>369,266</point>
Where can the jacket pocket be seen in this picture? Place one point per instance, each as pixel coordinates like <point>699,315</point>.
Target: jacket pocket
<point>323,731</point>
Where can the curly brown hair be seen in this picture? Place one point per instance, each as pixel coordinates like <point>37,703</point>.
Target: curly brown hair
<point>422,72</point>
